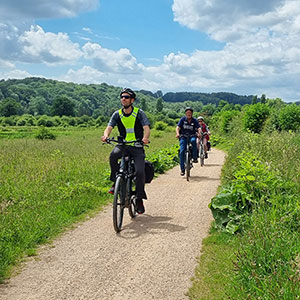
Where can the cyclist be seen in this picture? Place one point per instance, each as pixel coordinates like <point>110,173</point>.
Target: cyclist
<point>132,124</point>
<point>205,132</point>
<point>190,126</point>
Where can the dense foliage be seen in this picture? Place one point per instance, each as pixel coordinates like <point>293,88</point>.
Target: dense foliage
<point>259,198</point>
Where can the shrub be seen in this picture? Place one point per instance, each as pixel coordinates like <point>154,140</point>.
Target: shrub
<point>45,134</point>
<point>21,122</point>
<point>255,116</point>
<point>160,125</point>
<point>45,121</point>
<point>289,117</point>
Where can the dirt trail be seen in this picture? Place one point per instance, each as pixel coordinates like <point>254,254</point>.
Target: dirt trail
<point>153,257</point>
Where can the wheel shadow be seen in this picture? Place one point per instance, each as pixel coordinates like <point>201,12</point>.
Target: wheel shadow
<point>212,165</point>
<point>201,178</point>
<point>147,224</point>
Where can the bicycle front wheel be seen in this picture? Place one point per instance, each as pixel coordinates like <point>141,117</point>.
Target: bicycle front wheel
<point>187,165</point>
<point>119,203</point>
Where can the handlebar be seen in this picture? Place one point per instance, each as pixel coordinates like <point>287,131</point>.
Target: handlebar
<point>187,135</point>
<point>123,142</point>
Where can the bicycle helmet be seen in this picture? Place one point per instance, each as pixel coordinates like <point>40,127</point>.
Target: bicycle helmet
<point>200,118</point>
<point>128,91</point>
<point>188,108</point>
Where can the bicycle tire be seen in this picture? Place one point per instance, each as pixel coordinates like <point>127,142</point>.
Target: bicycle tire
<point>131,199</point>
<point>118,204</point>
<point>202,156</point>
<point>187,165</point>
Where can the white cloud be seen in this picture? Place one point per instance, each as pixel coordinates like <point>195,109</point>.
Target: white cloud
<point>46,47</point>
<point>107,60</point>
<point>32,9</point>
<point>15,74</point>
<point>84,75</point>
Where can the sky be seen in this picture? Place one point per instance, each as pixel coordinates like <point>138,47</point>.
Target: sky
<point>239,46</point>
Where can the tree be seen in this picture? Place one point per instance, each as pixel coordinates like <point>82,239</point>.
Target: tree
<point>263,99</point>
<point>254,99</point>
<point>289,117</point>
<point>63,106</point>
<point>159,105</point>
<point>10,107</point>
<point>143,104</point>
<point>255,117</point>
<point>38,106</point>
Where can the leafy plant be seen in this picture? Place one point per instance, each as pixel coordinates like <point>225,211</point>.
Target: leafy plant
<point>45,134</point>
<point>255,116</point>
<point>253,183</point>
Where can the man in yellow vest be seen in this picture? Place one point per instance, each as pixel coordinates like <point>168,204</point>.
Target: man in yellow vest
<point>133,124</point>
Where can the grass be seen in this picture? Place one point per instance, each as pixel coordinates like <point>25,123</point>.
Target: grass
<point>214,273</point>
<point>261,262</point>
<point>45,186</point>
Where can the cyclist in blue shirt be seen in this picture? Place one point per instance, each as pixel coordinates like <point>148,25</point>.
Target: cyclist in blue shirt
<point>187,126</point>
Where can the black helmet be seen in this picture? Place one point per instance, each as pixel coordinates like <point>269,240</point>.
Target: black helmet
<point>188,108</point>
<point>128,91</point>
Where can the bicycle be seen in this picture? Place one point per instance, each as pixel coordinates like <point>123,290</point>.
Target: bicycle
<point>201,150</point>
<point>124,193</point>
<point>188,164</point>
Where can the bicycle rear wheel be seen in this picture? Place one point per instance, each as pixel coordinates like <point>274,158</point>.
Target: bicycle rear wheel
<point>131,199</point>
<point>187,165</point>
<point>119,203</point>
<point>202,156</point>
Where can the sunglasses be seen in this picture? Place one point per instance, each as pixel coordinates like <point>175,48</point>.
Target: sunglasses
<point>126,97</point>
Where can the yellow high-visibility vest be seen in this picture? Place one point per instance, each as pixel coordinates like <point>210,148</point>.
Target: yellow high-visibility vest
<point>129,122</point>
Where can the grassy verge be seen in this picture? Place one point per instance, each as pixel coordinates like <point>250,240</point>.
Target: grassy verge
<point>214,273</point>
<point>260,197</point>
<point>45,186</point>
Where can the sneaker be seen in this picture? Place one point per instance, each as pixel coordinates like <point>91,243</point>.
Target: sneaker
<point>195,160</point>
<point>140,209</point>
<point>112,190</point>
<point>182,173</point>
<point>206,156</point>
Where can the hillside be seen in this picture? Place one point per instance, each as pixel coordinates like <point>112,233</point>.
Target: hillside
<point>36,96</point>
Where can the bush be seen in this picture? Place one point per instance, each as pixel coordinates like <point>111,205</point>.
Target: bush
<point>255,117</point>
<point>45,121</point>
<point>21,122</point>
<point>160,125</point>
<point>289,117</point>
<point>45,134</point>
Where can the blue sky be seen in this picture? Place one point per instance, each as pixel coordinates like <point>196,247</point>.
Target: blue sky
<point>245,47</point>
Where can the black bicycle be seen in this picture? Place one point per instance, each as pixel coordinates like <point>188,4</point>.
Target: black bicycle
<point>124,193</point>
<point>188,164</point>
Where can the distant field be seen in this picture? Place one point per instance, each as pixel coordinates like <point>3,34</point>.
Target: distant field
<point>47,185</point>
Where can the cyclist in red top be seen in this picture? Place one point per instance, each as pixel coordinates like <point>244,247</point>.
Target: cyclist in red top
<point>206,133</point>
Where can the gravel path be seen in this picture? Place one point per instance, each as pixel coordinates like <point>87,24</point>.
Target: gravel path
<point>153,257</point>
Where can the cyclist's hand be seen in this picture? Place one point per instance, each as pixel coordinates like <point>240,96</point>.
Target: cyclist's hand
<point>104,138</point>
<point>177,136</point>
<point>145,141</point>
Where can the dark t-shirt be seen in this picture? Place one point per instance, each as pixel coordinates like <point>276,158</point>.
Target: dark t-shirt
<point>141,120</point>
<point>187,127</point>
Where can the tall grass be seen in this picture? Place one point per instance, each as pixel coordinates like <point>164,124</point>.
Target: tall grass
<point>47,185</point>
<point>266,261</point>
